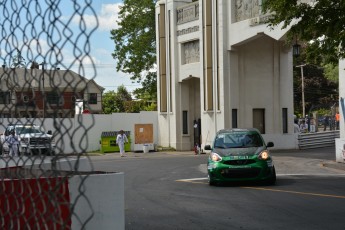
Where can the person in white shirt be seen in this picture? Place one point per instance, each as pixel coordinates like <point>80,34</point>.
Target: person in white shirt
<point>121,139</point>
<point>303,127</point>
<point>13,144</point>
<point>296,127</point>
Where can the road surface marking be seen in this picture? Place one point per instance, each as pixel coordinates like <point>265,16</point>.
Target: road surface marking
<point>199,181</point>
<point>295,192</point>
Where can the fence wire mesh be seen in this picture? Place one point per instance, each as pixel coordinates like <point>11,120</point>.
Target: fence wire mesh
<point>43,48</point>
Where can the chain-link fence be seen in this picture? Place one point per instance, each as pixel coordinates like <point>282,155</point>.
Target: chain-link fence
<point>41,43</point>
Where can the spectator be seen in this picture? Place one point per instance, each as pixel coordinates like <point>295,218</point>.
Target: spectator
<point>325,122</point>
<point>13,144</point>
<point>296,127</point>
<point>312,125</point>
<point>337,119</point>
<point>303,127</point>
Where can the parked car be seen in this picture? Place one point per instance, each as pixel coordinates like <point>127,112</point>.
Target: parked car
<point>240,155</point>
<point>4,148</point>
<point>32,139</point>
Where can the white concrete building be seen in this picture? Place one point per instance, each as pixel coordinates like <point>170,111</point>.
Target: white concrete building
<point>220,66</point>
<point>340,142</point>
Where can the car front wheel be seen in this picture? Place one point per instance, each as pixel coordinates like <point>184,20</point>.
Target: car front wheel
<point>210,181</point>
<point>272,180</point>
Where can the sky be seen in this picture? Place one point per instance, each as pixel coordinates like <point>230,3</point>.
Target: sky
<point>58,36</point>
<point>103,46</point>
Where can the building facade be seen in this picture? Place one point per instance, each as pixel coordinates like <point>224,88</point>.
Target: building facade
<point>42,93</point>
<point>220,66</point>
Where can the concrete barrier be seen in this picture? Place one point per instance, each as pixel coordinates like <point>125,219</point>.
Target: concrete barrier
<point>35,195</point>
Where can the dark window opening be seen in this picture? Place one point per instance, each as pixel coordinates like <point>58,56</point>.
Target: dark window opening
<point>285,120</point>
<point>185,122</point>
<point>234,118</point>
<point>259,120</point>
<point>5,98</point>
<point>92,98</point>
<point>54,98</point>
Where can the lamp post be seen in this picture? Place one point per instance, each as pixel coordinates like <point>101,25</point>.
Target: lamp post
<point>296,50</point>
<point>302,76</point>
<point>43,93</point>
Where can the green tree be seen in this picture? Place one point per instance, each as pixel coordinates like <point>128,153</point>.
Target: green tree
<point>319,92</point>
<point>114,102</point>
<point>122,96</point>
<point>320,23</point>
<point>108,102</point>
<point>331,72</point>
<point>135,44</point>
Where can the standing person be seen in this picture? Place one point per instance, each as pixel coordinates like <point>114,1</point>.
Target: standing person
<point>296,127</point>
<point>337,119</point>
<point>303,127</point>
<point>325,122</point>
<point>121,139</point>
<point>312,125</point>
<point>13,144</point>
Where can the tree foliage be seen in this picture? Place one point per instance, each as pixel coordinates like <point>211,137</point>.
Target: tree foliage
<point>114,102</point>
<point>320,23</point>
<point>135,43</point>
<point>331,72</point>
<point>319,27</point>
<point>135,48</point>
<point>122,102</point>
<point>108,102</point>
<point>319,92</point>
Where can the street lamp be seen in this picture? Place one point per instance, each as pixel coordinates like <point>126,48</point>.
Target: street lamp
<point>43,93</point>
<point>296,50</point>
<point>303,102</point>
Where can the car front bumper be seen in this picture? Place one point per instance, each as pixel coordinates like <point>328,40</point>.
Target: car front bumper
<point>256,171</point>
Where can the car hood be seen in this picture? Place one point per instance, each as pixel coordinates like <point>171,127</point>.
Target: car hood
<point>239,151</point>
<point>31,135</point>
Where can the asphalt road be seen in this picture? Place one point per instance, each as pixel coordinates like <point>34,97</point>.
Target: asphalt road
<point>170,191</point>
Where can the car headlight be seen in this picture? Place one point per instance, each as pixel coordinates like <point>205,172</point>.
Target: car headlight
<point>215,157</point>
<point>264,155</point>
<point>24,140</point>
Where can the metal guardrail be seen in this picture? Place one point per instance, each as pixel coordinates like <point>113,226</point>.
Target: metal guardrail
<point>317,140</point>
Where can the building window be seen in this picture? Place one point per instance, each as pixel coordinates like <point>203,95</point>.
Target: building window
<point>5,98</point>
<point>54,98</point>
<point>234,118</point>
<point>185,122</point>
<point>285,120</point>
<point>92,98</point>
<point>259,120</point>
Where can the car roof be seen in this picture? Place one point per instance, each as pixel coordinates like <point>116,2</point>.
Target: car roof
<point>20,125</point>
<point>234,130</point>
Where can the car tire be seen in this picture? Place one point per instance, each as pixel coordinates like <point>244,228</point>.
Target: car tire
<point>210,181</point>
<point>272,180</point>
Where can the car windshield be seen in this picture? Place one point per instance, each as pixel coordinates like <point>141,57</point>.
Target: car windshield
<point>28,129</point>
<point>238,140</point>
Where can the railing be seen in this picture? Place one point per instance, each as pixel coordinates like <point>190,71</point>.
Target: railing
<point>317,140</point>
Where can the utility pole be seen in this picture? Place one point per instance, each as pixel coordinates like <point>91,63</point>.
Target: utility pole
<point>303,102</point>
<point>43,93</point>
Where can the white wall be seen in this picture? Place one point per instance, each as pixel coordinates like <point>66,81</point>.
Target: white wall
<point>106,206</point>
<point>83,132</point>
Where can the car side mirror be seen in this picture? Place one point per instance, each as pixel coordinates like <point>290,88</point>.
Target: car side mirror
<point>270,144</point>
<point>50,132</point>
<point>208,147</point>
